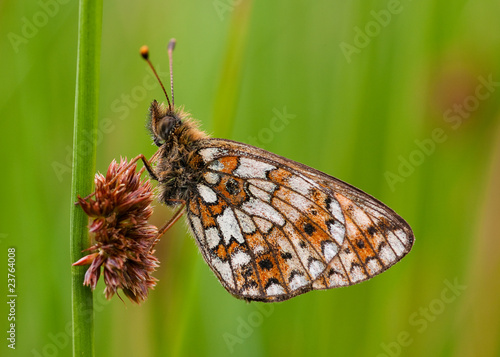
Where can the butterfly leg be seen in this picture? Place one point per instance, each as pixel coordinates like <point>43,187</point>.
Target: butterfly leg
<point>148,167</point>
<point>169,224</point>
<point>146,163</point>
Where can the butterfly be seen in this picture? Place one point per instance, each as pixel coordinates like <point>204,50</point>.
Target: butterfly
<point>268,227</point>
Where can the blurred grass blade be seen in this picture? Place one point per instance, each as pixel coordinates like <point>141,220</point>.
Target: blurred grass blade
<point>230,82</point>
<point>84,147</point>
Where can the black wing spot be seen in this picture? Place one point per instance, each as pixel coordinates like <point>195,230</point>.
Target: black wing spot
<point>328,202</point>
<point>330,223</point>
<point>293,274</point>
<point>250,284</point>
<point>355,265</point>
<point>286,255</point>
<point>266,264</point>
<point>248,272</point>
<point>384,225</point>
<point>302,244</point>
<point>309,229</point>
<point>372,230</point>
<point>380,247</point>
<point>232,187</point>
<point>272,281</point>
<point>360,244</point>
<point>347,251</point>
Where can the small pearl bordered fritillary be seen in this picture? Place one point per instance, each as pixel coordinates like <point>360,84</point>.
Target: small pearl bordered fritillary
<point>269,228</point>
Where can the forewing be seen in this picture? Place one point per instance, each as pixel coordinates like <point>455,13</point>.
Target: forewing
<point>271,228</point>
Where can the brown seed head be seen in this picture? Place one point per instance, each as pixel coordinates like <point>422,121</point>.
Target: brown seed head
<point>123,237</point>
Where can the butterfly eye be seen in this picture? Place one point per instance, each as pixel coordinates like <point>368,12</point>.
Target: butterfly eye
<point>165,126</point>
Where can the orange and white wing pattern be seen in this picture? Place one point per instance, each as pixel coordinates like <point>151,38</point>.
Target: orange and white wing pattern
<point>271,228</point>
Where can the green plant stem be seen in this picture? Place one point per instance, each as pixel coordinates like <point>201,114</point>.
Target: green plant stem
<point>84,148</point>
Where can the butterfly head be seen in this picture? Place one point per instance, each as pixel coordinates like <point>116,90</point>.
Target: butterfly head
<point>163,120</point>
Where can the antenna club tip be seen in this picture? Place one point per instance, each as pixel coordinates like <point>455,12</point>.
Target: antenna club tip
<point>171,44</point>
<point>144,52</point>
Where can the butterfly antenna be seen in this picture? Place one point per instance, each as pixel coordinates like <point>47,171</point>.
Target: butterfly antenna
<point>145,55</point>
<point>171,46</point>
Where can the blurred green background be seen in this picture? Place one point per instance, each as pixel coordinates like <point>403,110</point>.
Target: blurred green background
<point>397,98</point>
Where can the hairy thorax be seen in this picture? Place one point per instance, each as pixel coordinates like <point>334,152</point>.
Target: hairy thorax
<point>179,165</point>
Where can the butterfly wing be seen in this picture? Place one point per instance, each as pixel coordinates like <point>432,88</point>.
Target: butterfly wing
<point>271,228</point>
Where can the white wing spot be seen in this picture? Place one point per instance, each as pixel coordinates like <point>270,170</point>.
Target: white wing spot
<point>212,236</point>
<point>357,274</point>
<point>267,186</point>
<point>224,270</point>
<point>211,177</point>
<point>250,292</point>
<point>264,225</point>
<point>275,289</point>
<point>337,280</point>
<point>209,154</point>
<point>336,210</point>
<point>396,244</point>
<point>229,226</point>
<point>249,168</point>
<point>259,249</point>
<point>240,258</point>
<point>247,225</point>
<point>302,203</point>
<point>316,268</point>
<point>403,237</point>
<point>257,192</point>
<point>299,185</point>
<point>373,266</point>
<point>297,281</point>
<point>258,208</point>
<point>216,166</point>
<point>208,195</point>
<point>296,200</point>
<point>197,227</point>
<point>387,255</point>
<point>337,231</point>
<point>330,250</point>
<point>360,217</point>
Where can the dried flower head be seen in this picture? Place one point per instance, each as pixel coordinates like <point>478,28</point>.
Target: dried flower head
<point>119,209</point>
